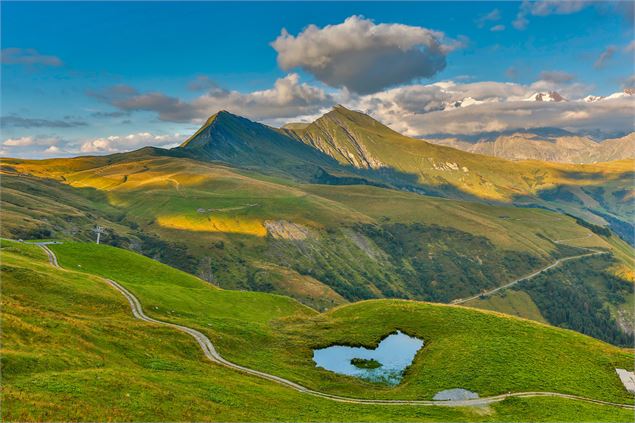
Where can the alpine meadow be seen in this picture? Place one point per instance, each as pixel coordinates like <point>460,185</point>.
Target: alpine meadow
<point>317,211</point>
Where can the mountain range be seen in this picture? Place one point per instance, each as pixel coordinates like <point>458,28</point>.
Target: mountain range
<point>343,209</point>
<point>349,147</point>
<point>530,145</point>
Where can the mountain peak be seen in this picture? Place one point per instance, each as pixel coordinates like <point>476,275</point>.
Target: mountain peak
<point>551,96</point>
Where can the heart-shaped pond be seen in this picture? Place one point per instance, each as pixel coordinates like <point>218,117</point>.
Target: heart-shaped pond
<point>386,363</point>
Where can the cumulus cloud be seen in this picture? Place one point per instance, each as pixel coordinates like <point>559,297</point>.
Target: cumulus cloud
<point>497,28</point>
<point>362,56</point>
<point>24,122</point>
<point>452,108</point>
<point>630,47</point>
<point>287,98</point>
<point>18,142</point>
<point>119,143</point>
<point>606,116</point>
<point>39,146</point>
<point>28,57</point>
<point>32,146</point>
<point>604,57</point>
<point>28,141</point>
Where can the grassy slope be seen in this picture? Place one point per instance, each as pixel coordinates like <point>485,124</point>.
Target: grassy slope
<point>71,351</point>
<point>168,190</point>
<point>163,195</point>
<point>484,352</point>
<point>515,303</point>
<point>475,175</point>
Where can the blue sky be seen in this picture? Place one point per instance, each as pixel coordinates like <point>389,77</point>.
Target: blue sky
<point>61,61</point>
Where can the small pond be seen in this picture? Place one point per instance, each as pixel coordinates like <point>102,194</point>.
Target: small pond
<point>386,363</point>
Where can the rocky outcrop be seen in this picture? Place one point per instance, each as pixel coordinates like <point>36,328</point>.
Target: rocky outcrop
<point>282,229</point>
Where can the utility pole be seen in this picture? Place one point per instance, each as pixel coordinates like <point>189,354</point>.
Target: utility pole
<point>99,230</point>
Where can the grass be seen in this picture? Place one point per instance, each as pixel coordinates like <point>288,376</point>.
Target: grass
<point>515,303</point>
<point>439,167</point>
<point>71,351</point>
<point>484,352</point>
<point>165,192</point>
<point>364,363</point>
<point>202,205</point>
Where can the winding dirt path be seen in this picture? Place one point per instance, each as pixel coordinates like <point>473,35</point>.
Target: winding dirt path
<point>592,252</point>
<point>213,355</point>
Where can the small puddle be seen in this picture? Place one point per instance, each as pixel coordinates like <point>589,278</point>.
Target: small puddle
<point>385,364</point>
<point>456,394</point>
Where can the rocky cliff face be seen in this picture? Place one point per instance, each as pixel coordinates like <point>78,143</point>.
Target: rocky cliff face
<point>565,149</point>
<point>337,134</point>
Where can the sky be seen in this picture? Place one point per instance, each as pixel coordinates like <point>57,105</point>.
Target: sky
<point>98,78</point>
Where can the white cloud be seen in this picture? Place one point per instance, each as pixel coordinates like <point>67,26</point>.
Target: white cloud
<point>497,28</point>
<point>119,143</point>
<point>30,141</point>
<point>33,146</point>
<point>453,108</point>
<point>362,56</point>
<point>18,142</point>
<point>287,98</point>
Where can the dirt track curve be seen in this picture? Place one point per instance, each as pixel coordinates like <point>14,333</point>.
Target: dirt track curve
<point>556,263</point>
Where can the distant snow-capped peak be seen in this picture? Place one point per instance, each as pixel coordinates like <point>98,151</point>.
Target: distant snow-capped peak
<point>627,93</point>
<point>465,102</point>
<point>593,98</point>
<point>552,96</point>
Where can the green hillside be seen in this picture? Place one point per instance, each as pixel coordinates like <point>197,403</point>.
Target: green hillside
<point>355,139</point>
<point>235,140</point>
<point>321,244</point>
<point>294,211</point>
<point>72,351</point>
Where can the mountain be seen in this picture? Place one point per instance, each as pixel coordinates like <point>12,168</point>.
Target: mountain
<point>336,211</point>
<point>533,146</point>
<point>360,142</point>
<point>345,135</point>
<point>237,141</point>
<point>550,96</point>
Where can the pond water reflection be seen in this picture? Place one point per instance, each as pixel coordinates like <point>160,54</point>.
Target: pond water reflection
<point>394,353</point>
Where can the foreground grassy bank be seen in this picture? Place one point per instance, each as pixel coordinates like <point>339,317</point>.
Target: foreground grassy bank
<point>484,352</point>
<point>73,352</point>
